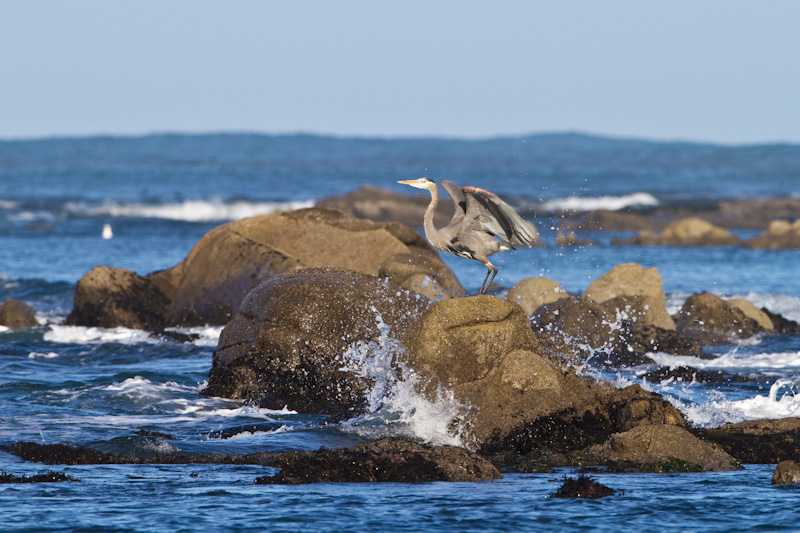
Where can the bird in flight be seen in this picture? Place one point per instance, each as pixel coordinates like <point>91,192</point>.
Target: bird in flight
<point>481,225</point>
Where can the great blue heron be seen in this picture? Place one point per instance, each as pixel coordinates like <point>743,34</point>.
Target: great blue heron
<point>479,217</point>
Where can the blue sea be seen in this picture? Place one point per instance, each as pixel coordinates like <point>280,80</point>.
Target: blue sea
<point>160,194</point>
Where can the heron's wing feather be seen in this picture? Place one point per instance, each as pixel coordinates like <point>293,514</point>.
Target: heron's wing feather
<point>459,201</point>
<point>497,217</point>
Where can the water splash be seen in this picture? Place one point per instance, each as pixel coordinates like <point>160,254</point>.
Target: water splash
<point>395,405</point>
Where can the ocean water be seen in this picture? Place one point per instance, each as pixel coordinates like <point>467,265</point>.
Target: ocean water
<point>160,194</point>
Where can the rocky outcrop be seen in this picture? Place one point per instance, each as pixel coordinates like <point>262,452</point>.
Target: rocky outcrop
<point>653,444</point>
<point>302,339</point>
<point>532,293</point>
<point>757,441</point>
<point>385,460</point>
<point>639,287</point>
<point>381,205</point>
<point>109,297</point>
<point>751,311</point>
<point>786,473</point>
<point>780,234</point>
<point>687,232</point>
<point>711,320</point>
<point>17,314</point>
<point>208,286</point>
<point>582,487</point>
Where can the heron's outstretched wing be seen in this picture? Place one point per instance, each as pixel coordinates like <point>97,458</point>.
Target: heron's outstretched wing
<point>497,217</point>
<point>459,201</point>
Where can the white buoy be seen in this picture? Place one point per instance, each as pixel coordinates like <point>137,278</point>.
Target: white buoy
<point>107,233</point>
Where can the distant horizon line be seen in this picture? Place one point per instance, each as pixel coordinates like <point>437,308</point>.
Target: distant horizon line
<point>376,137</point>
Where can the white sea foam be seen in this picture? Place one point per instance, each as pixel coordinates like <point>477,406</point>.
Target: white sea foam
<point>209,335</point>
<point>396,406</point>
<point>734,359</point>
<point>781,402</point>
<point>90,335</point>
<point>189,210</point>
<point>612,203</point>
<point>41,355</point>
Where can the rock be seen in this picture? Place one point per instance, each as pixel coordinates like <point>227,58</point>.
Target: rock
<point>780,234</point>
<point>385,460</point>
<point>230,260</point>
<point>532,293</point>
<point>293,340</point>
<point>631,279</point>
<point>786,473</point>
<point>688,232</point>
<point>604,220</point>
<point>652,444</point>
<point>381,205</point>
<point>782,325</point>
<point>17,314</point>
<point>612,411</point>
<point>712,320</point>
<point>757,441</point>
<point>571,239</point>
<point>109,297</point>
<point>582,487</point>
<point>483,350</point>
<point>618,331</point>
<point>633,406</point>
<point>753,312</point>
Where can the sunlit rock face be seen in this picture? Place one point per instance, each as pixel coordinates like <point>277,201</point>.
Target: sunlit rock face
<point>232,259</point>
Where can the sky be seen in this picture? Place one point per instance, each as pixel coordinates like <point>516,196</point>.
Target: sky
<point>716,71</point>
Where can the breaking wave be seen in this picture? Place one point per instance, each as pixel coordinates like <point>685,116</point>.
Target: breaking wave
<point>611,203</point>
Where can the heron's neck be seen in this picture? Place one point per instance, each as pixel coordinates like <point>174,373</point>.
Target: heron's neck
<point>431,232</point>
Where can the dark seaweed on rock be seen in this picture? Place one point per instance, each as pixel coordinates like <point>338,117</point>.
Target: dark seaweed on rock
<point>582,487</point>
<point>44,477</point>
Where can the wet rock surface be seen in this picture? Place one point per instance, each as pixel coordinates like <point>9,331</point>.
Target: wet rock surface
<point>786,473</point>
<point>688,232</point>
<point>287,344</point>
<point>582,487</point>
<point>711,320</point>
<point>652,444</point>
<point>109,297</point>
<point>385,460</point>
<point>17,314</point>
<point>757,441</point>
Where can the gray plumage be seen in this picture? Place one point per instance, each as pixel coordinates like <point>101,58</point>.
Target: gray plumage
<point>482,224</point>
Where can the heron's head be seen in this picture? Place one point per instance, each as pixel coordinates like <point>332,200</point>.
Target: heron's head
<point>421,183</point>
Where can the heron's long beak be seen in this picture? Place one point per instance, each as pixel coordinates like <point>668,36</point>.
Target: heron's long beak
<point>407,182</point>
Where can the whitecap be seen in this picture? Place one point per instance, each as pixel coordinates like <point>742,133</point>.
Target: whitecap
<point>612,203</point>
<point>92,335</point>
<point>189,210</point>
<point>781,402</point>
<point>731,360</point>
<point>41,355</point>
<point>208,335</point>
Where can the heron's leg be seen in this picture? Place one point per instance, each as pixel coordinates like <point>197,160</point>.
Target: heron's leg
<point>491,269</point>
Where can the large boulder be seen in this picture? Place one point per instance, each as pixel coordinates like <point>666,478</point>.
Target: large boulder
<point>786,473</point>
<point>618,331</point>
<point>385,460</point>
<point>688,232</point>
<point>108,297</point>
<point>17,314</point>
<point>230,260</point>
<point>532,293</point>
<point>305,340</point>
<point>750,310</point>
<point>382,205</point>
<point>780,234</point>
<point>662,443</point>
<point>757,441</point>
<point>633,280</point>
<point>483,350</point>
<point>712,320</point>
